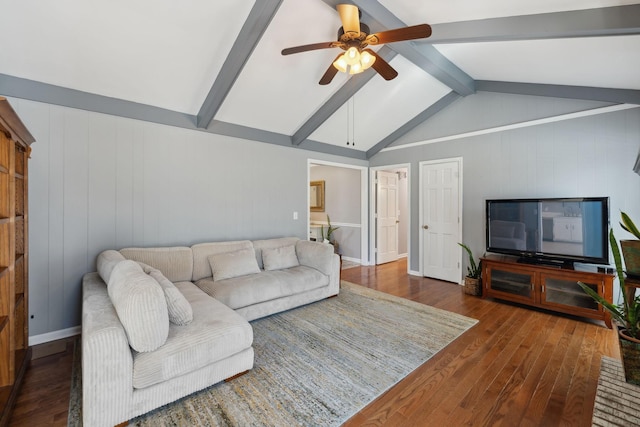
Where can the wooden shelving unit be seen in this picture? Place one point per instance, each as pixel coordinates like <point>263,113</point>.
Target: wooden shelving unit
<point>15,142</point>
<point>546,287</point>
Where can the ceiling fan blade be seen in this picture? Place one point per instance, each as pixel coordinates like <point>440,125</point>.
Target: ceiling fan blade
<point>330,73</point>
<point>350,18</point>
<point>307,47</point>
<point>382,67</point>
<point>407,33</point>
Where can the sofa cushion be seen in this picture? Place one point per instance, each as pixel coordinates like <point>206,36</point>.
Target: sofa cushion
<point>243,291</point>
<point>260,245</point>
<point>201,251</point>
<point>180,312</point>
<point>320,256</point>
<point>216,333</point>
<point>140,304</point>
<point>233,264</point>
<point>176,263</point>
<point>105,263</point>
<point>280,258</point>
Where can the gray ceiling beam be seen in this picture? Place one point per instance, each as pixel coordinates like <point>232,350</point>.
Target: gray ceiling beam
<point>57,95</point>
<point>254,27</point>
<point>17,87</point>
<point>424,56</point>
<point>430,111</point>
<point>350,88</point>
<point>607,21</point>
<point>620,96</point>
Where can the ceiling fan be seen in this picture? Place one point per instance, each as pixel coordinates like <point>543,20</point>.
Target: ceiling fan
<point>353,38</point>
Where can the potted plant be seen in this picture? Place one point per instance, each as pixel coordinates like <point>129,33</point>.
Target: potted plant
<point>630,248</point>
<point>328,237</point>
<point>472,282</point>
<point>626,315</point>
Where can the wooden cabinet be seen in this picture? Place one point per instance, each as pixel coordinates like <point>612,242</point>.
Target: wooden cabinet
<point>546,287</point>
<point>15,141</point>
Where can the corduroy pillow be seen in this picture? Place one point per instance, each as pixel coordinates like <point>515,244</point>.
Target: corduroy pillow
<point>280,258</point>
<point>140,304</point>
<point>180,311</point>
<point>233,264</point>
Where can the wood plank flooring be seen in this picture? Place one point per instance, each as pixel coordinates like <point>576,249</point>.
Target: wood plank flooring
<point>517,366</point>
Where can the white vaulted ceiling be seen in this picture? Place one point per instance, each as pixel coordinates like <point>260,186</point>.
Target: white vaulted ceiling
<point>216,65</point>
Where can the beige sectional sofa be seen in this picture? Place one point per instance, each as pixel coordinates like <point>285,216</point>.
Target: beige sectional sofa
<point>161,323</point>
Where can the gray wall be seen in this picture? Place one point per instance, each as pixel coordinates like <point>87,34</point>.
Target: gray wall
<point>100,182</point>
<point>590,156</point>
<point>343,205</point>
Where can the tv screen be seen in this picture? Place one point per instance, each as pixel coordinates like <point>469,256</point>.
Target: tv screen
<point>555,229</point>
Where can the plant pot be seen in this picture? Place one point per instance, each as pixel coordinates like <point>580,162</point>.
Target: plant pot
<point>630,350</point>
<point>631,253</point>
<point>472,286</point>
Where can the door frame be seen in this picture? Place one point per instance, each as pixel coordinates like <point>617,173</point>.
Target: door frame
<point>372,210</point>
<point>420,209</point>
<point>364,224</point>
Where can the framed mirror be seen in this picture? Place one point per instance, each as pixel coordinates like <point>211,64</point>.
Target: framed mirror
<point>316,196</point>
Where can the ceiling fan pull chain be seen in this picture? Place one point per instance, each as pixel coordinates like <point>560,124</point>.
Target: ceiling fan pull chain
<point>347,123</point>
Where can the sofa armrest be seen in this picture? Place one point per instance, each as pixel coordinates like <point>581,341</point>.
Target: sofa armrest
<point>320,256</point>
<point>107,362</point>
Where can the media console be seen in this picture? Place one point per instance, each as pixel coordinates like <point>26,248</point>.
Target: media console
<point>547,287</point>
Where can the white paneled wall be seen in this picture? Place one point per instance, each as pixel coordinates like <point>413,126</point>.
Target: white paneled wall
<point>101,182</point>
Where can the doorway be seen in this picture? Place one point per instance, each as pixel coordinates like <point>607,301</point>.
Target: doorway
<point>344,204</point>
<point>390,213</point>
<point>440,214</point>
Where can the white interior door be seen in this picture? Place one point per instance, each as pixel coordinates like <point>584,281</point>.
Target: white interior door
<point>387,217</point>
<point>440,211</point>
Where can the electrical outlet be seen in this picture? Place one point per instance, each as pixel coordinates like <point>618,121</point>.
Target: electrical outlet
<point>295,215</point>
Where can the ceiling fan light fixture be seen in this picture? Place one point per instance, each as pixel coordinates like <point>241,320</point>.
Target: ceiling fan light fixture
<point>356,69</point>
<point>352,56</point>
<point>341,64</point>
<point>366,60</point>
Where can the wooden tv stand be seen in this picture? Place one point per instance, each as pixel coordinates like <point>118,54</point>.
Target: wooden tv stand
<point>546,287</point>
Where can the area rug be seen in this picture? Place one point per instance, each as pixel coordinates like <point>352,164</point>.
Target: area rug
<point>616,401</point>
<point>316,365</point>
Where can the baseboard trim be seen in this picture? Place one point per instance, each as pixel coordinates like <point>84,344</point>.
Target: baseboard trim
<point>346,258</point>
<point>55,335</point>
<point>414,273</point>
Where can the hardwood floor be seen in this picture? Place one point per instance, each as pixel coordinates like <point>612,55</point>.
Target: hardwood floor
<point>517,366</point>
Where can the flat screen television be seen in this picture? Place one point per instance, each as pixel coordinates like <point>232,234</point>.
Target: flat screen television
<point>553,230</point>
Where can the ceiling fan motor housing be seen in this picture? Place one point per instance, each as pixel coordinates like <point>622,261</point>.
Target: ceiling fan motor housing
<point>353,39</point>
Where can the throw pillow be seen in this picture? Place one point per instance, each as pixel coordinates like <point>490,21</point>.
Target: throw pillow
<point>180,311</point>
<point>233,264</point>
<point>140,304</point>
<point>280,258</point>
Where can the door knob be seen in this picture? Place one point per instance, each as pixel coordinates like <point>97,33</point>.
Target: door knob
<point>426,227</point>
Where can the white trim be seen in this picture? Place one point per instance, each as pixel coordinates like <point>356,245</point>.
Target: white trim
<point>364,171</point>
<point>356,260</point>
<point>338,224</point>
<point>420,205</point>
<point>562,117</point>
<point>372,209</point>
<point>414,273</point>
<point>55,335</point>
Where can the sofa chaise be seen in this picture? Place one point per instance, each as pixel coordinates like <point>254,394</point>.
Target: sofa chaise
<point>161,323</point>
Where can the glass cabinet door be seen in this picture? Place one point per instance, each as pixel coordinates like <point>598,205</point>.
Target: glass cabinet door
<point>519,284</point>
<point>567,292</point>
